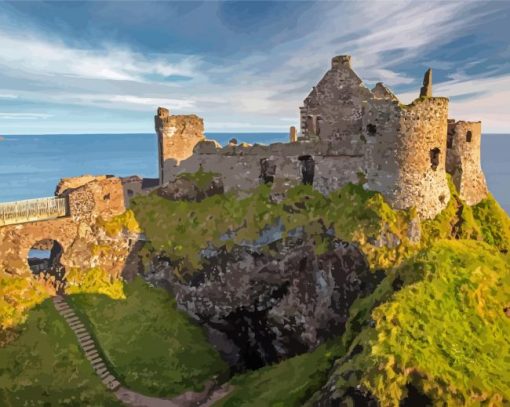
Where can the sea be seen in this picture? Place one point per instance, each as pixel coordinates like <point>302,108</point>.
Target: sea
<point>32,165</point>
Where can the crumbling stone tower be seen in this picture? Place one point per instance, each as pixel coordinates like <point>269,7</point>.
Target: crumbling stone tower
<point>463,160</point>
<point>403,146</point>
<point>177,136</point>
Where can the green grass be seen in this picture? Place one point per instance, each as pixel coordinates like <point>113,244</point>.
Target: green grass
<point>445,332</point>
<point>44,366</point>
<point>354,214</point>
<point>287,384</point>
<point>202,179</point>
<point>153,347</point>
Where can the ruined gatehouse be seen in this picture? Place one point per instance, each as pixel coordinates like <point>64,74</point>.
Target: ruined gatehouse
<point>349,133</point>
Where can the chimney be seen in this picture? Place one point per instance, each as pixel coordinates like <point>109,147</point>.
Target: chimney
<point>426,89</point>
<point>341,61</point>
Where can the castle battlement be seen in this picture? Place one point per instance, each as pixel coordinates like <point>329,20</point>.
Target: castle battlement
<point>349,133</point>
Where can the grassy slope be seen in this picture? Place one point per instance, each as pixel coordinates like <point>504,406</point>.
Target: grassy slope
<point>447,333</point>
<point>153,347</point>
<point>43,366</point>
<point>288,383</point>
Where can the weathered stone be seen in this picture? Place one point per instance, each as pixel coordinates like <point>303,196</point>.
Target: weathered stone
<point>86,343</point>
<point>426,89</point>
<point>89,204</point>
<point>114,385</point>
<point>89,347</point>
<point>177,135</point>
<point>108,379</point>
<point>463,160</point>
<point>103,373</point>
<point>382,92</point>
<point>185,189</point>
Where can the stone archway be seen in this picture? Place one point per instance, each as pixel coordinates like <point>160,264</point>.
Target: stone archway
<point>44,259</point>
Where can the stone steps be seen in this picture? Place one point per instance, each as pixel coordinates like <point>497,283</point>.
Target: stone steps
<point>86,343</point>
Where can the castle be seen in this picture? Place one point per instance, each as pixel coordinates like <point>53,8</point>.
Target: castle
<point>349,133</point>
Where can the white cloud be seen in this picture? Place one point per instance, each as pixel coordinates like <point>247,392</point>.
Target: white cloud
<point>27,53</point>
<point>8,96</point>
<point>23,116</point>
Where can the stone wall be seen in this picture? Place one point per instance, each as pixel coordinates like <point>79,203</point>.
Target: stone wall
<point>333,109</point>
<point>84,241</point>
<point>463,160</point>
<point>241,165</point>
<point>177,135</point>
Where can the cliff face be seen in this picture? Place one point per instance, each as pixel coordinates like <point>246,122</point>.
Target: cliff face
<point>267,301</point>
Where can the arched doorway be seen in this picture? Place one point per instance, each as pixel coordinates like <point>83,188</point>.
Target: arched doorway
<point>44,260</point>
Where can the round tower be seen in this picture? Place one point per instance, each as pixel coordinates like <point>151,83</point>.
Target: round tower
<point>463,160</point>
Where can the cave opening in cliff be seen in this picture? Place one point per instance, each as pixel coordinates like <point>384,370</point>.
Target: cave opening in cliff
<point>307,169</point>
<point>44,259</point>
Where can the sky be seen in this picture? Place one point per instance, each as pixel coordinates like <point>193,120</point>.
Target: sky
<point>104,67</point>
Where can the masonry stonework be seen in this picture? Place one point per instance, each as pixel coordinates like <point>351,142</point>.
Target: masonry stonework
<point>349,133</point>
<point>177,135</point>
<point>92,200</point>
<point>463,160</point>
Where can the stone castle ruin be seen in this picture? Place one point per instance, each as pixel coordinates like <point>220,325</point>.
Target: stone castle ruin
<point>349,133</point>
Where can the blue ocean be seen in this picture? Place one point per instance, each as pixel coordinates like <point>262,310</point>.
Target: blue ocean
<point>31,166</point>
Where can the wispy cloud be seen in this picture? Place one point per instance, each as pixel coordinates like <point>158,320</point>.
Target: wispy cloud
<point>251,90</point>
<point>26,53</point>
<point>23,116</point>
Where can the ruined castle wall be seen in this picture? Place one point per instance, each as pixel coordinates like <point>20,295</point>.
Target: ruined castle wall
<point>102,197</point>
<point>380,130</point>
<point>89,204</point>
<point>177,136</point>
<point>241,168</point>
<point>333,110</point>
<point>421,157</point>
<point>463,160</point>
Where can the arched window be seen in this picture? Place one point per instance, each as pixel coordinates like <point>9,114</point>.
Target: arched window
<point>469,136</point>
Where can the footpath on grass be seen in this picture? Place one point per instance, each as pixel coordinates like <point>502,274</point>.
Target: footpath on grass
<point>89,346</point>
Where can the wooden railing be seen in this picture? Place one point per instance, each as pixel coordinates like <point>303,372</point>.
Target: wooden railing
<point>31,210</point>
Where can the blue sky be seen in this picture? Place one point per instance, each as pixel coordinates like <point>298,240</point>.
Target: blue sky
<point>93,67</point>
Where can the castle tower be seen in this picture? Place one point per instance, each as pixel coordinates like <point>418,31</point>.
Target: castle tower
<point>463,160</point>
<point>177,136</point>
<point>405,154</point>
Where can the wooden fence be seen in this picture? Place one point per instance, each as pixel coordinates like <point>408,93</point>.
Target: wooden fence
<point>31,210</point>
